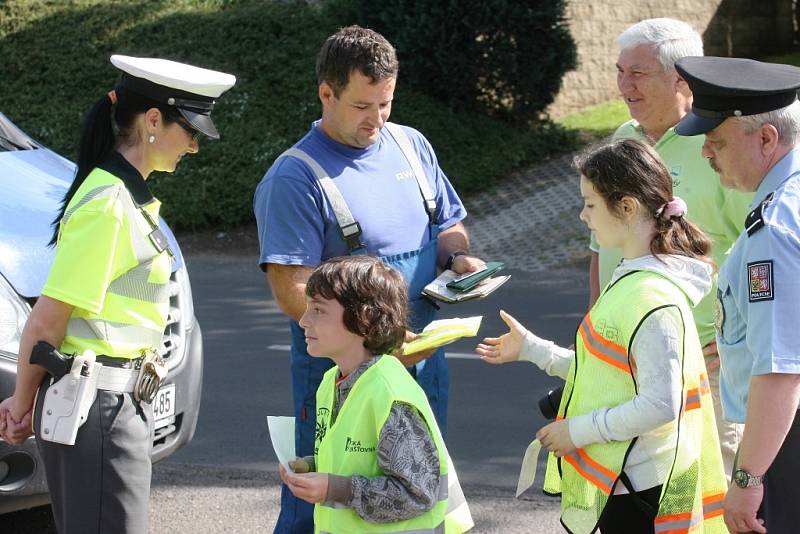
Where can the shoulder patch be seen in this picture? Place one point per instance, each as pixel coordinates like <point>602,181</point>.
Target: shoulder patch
<point>759,281</point>
<point>755,219</point>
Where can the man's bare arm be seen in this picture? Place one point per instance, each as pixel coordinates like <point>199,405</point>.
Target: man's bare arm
<point>452,240</point>
<point>288,284</point>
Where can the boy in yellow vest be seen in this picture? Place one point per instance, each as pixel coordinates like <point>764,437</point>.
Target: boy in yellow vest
<point>379,464</point>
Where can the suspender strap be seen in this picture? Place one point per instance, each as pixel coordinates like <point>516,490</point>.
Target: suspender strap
<point>404,143</point>
<point>348,226</point>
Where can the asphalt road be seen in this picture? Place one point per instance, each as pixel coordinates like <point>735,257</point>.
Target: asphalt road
<point>225,480</point>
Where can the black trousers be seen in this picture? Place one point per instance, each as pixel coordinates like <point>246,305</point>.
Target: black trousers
<point>624,515</point>
<point>779,509</point>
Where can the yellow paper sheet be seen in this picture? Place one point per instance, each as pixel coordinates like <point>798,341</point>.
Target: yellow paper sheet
<point>444,331</point>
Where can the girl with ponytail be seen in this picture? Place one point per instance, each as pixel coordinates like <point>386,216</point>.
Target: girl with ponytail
<point>634,444</point>
<point>106,299</point>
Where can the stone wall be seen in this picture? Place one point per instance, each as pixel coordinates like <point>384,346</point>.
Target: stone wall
<point>743,28</point>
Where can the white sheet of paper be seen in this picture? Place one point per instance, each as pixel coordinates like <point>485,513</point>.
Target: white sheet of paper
<point>527,473</point>
<point>281,432</point>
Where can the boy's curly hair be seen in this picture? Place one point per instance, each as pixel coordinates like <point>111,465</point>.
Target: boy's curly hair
<point>373,295</point>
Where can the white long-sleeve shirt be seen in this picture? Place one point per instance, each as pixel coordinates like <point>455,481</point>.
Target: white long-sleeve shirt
<point>655,353</point>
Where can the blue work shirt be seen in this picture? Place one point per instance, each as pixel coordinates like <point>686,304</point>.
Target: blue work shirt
<point>758,312</point>
<point>297,226</point>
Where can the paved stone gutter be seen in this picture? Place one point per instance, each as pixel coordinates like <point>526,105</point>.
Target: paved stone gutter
<point>531,220</point>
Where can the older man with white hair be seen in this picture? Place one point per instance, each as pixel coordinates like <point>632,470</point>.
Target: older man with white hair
<point>751,117</point>
<point>658,98</point>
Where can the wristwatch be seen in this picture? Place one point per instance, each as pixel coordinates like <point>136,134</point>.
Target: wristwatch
<point>744,479</point>
<point>450,259</point>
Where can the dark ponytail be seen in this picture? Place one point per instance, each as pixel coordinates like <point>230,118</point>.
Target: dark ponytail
<point>630,168</point>
<point>676,235</point>
<point>98,139</point>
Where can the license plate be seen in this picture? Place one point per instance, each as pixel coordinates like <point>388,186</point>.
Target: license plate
<point>164,403</point>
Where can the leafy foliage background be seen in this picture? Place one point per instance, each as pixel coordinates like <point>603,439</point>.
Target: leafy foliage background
<point>54,66</point>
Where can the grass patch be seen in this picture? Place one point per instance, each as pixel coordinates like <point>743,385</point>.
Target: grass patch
<point>597,121</point>
<point>789,59</point>
<point>55,66</point>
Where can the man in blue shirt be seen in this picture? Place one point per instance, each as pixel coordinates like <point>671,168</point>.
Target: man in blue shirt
<point>751,117</point>
<point>357,184</point>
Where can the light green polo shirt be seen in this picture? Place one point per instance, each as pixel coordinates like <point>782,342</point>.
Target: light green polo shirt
<point>718,211</point>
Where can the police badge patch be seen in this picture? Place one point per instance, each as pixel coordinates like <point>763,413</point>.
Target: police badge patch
<point>759,281</point>
<point>719,313</point>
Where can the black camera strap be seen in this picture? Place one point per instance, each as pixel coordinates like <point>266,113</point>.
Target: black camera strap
<point>643,505</point>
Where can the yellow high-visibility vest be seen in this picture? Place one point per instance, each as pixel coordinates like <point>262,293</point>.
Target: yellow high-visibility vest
<point>349,447</point>
<point>108,268</point>
<point>601,376</point>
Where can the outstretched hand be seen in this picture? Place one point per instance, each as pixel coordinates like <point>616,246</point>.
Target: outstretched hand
<point>505,348</point>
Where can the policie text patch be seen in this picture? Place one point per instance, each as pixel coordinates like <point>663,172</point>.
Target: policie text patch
<point>759,281</point>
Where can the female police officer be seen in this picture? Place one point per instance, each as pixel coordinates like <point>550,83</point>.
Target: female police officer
<point>108,294</point>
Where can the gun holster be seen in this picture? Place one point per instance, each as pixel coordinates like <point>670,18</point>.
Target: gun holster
<point>152,373</point>
<point>68,399</point>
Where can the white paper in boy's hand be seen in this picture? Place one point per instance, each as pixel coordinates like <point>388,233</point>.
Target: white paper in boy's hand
<point>281,432</point>
<point>527,474</point>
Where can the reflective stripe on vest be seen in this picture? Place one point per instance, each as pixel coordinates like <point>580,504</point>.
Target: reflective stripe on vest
<point>361,419</point>
<point>135,285</point>
<point>692,494</point>
<point>593,471</point>
<point>605,350</point>
<point>118,332</point>
<point>688,521</point>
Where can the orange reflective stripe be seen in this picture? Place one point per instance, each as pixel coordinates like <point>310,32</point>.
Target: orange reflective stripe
<point>597,474</point>
<point>712,505</point>
<point>688,521</point>
<point>677,523</point>
<point>692,399</point>
<point>603,349</point>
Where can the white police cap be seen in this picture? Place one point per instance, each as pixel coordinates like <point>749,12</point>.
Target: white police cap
<point>192,90</point>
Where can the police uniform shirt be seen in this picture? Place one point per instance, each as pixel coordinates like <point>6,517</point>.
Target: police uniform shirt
<point>758,308</point>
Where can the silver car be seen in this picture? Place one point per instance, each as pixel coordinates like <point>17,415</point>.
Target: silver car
<point>33,180</point>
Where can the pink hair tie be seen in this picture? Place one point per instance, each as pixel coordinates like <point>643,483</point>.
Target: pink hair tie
<point>674,208</point>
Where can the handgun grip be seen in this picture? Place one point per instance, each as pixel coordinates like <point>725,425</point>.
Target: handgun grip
<point>47,356</point>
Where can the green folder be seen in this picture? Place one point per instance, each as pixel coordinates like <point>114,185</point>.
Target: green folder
<point>467,281</point>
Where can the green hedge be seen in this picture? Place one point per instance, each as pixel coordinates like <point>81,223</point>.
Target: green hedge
<point>54,65</point>
<point>501,57</point>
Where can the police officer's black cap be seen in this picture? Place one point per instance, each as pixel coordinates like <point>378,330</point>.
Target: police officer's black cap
<point>725,87</point>
<point>192,90</point>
